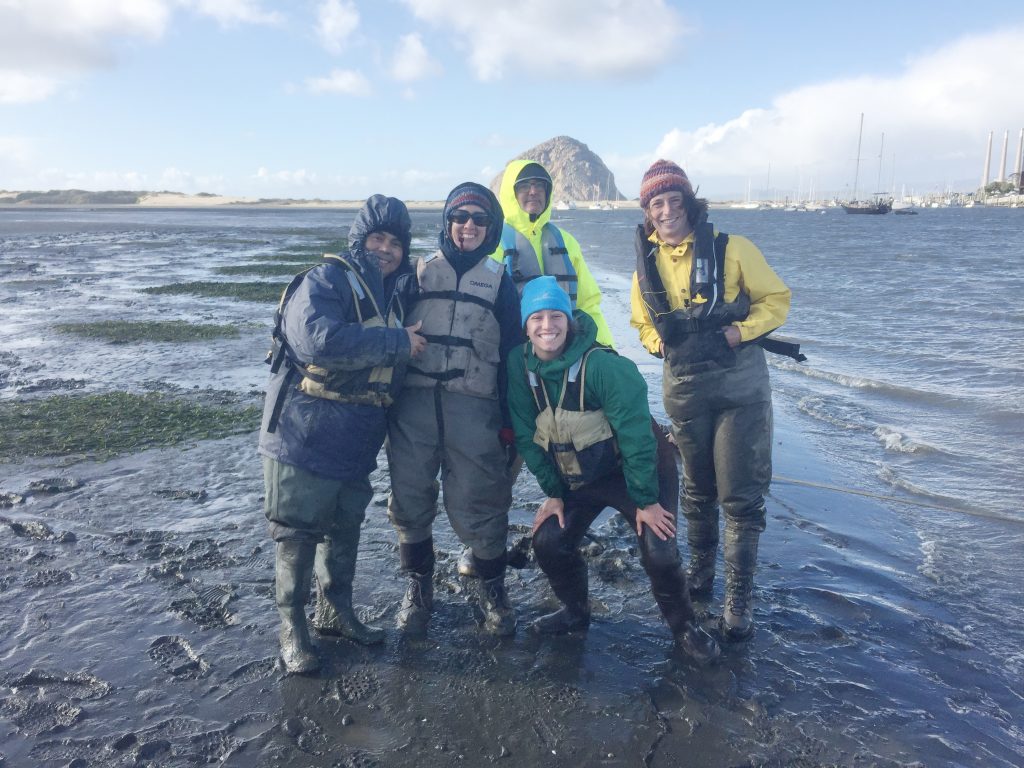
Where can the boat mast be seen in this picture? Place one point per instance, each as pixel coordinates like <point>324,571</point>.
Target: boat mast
<point>881,149</point>
<point>856,171</point>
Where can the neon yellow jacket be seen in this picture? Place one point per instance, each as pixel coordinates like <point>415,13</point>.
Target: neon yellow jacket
<point>745,269</point>
<point>588,295</point>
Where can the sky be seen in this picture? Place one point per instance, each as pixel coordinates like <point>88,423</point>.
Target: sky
<point>340,99</point>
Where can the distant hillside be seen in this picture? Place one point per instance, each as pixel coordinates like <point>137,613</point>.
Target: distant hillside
<point>73,197</point>
<point>577,173</point>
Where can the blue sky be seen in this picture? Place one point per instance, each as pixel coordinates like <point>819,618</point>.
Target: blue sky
<point>339,99</point>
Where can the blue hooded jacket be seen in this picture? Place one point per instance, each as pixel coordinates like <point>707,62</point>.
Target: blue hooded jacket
<point>319,322</point>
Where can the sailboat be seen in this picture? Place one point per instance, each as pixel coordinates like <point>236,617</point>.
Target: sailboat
<point>878,205</point>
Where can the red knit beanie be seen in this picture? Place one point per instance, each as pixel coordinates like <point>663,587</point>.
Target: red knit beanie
<point>663,176</point>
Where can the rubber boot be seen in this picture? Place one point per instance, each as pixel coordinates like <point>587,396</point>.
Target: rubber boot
<point>571,587</point>
<point>335,569</point>
<point>702,536</point>
<point>293,573</point>
<point>418,603</point>
<point>740,564</point>
<point>498,616</point>
<point>671,595</point>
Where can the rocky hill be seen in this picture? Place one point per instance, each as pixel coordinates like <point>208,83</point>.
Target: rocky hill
<point>578,174</point>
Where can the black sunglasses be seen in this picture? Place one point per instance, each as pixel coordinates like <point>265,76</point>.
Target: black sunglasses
<point>459,216</point>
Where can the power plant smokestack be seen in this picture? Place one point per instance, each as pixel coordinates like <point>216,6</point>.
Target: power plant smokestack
<point>988,162</point>
<point>1002,158</point>
<point>1019,165</point>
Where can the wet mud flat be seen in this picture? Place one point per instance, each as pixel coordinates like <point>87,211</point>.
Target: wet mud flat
<point>138,628</point>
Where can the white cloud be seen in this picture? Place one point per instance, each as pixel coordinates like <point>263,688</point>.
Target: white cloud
<point>298,178</point>
<point>347,81</point>
<point>20,88</point>
<point>336,21</point>
<point>936,115</point>
<point>228,12</point>
<point>590,38</point>
<point>412,60</point>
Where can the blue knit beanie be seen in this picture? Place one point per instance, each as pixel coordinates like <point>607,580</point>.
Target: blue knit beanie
<point>544,292</point>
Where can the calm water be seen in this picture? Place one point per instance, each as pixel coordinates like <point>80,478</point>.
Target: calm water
<point>893,619</point>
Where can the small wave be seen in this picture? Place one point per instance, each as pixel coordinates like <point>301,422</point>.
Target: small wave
<point>893,440</point>
<point>835,411</point>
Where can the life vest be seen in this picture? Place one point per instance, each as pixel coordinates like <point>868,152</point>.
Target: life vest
<point>365,386</point>
<point>523,264</point>
<point>459,324</point>
<point>578,438</point>
<point>693,333</point>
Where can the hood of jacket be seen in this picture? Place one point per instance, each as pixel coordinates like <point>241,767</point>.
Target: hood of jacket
<point>381,214</point>
<point>578,344</point>
<point>514,214</point>
<point>462,260</point>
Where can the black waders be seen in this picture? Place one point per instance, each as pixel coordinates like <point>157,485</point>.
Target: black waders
<point>570,585</point>
<point>418,565</point>
<point>740,564</point>
<point>702,537</point>
<point>498,618</point>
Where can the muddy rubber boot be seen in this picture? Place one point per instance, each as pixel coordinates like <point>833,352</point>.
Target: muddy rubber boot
<point>293,573</point>
<point>740,564</point>
<point>702,537</point>
<point>671,595</point>
<point>335,569</point>
<point>466,566</point>
<point>498,616</point>
<point>571,588</point>
<point>418,603</point>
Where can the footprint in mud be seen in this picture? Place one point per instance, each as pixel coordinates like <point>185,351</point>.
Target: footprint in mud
<point>176,657</point>
<point>250,673</point>
<point>80,686</point>
<point>29,530</point>
<point>356,686</point>
<point>48,577</point>
<point>211,746</point>
<point>55,485</point>
<point>209,608</point>
<point>307,733</point>
<point>34,717</point>
<point>182,494</point>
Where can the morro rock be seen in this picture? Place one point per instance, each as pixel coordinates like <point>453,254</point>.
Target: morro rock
<point>577,173</point>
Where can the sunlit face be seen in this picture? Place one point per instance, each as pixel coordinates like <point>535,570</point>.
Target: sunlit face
<point>668,215</point>
<point>532,195</point>
<point>387,248</point>
<point>468,235</point>
<point>548,332</point>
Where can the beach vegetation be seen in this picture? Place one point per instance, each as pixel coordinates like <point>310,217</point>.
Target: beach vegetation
<point>126,331</point>
<point>104,425</point>
<point>268,293</point>
<point>265,270</point>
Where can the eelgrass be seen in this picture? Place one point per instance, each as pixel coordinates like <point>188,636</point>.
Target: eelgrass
<point>266,292</point>
<point>125,331</point>
<point>265,270</point>
<point>105,425</point>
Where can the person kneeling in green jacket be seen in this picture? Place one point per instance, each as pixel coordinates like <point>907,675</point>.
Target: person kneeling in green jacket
<point>584,429</point>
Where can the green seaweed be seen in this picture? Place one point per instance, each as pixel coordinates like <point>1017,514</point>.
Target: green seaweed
<point>265,270</point>
<point>125,331</point>
<point>105,425</point>
<point>253,291</point>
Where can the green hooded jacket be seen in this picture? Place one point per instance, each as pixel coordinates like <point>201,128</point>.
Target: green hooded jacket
<point>588,295</point>
<point>612,383</point>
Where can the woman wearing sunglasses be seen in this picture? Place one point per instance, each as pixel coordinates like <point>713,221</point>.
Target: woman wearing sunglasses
<point>451,416</point>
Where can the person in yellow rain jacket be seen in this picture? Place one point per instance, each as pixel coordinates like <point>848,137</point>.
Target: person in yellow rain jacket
<point>532,246</point>
<point>705,301</point>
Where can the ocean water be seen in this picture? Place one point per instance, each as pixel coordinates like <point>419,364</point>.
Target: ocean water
<point>891,574</point>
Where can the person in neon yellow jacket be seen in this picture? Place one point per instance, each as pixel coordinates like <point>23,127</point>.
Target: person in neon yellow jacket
<point>531,245</point>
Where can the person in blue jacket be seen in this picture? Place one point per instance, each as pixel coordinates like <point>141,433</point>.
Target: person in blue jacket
<point>339,352</point>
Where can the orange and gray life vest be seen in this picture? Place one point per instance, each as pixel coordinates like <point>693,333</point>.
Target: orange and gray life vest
<point>685,330</point>
<point>576,436</point>
<point>365,386</point>
<point>460,327</point>
<point>524,265</point>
